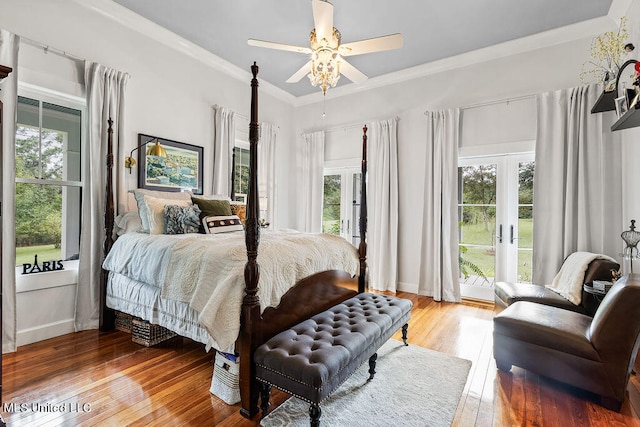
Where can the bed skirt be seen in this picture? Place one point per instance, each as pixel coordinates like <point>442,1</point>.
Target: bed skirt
<point>144,301</point>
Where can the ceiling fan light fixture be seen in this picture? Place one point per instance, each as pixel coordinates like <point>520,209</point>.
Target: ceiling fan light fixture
<point>326,54</point>
<point>325,60</point>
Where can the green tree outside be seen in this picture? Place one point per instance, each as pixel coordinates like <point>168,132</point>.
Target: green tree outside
<point>38,206</point>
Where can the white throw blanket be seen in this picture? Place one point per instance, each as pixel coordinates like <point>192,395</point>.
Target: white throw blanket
<point>569,280</point>
<point>207,271</point>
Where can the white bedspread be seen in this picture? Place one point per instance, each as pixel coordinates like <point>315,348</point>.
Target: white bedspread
<point>207,271</point>
<point>569,280</point>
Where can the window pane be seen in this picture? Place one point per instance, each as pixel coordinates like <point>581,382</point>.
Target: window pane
<point>478,225</point>
<point>478,184</point>
<point>51,150</point>
<point>355,205</point>
<point>331,205</point>
<point>240,174</point>
<point>47,222</point>
<point>525,187</point>
<point>524,265</point>
<point>477,216</point>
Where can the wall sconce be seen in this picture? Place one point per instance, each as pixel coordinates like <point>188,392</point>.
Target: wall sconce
<point>156,150</point>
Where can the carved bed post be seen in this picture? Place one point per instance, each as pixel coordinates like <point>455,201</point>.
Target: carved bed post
<point>362,249</point>
<point>107,315</point>
<point>250,312</point>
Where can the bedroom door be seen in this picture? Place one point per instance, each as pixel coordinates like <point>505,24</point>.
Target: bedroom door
<point>341,203</point>
<point>495,210</point>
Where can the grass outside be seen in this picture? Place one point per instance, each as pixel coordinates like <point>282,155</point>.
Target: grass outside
<point>484,257</point>
<point>25,254</point>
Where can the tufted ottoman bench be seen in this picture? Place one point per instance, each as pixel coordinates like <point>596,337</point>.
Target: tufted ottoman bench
<point>314,357</point>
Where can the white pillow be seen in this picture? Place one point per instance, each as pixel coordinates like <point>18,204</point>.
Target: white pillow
<point>127,222</point>
<point>155,209</point>
<point>221,224</point>
<point>139,194</point>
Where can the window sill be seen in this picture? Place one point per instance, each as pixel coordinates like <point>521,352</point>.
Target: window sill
<point>47,280</point>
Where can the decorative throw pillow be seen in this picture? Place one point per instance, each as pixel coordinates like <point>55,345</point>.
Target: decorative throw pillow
<point>155,208</point>
<point>181,219</point>
<point>211,207</point>
<point>239,209</point>
<point>143,211</point>
<point>221,224</point>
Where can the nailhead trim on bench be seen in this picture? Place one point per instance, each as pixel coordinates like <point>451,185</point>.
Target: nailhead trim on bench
<point>313,358</point>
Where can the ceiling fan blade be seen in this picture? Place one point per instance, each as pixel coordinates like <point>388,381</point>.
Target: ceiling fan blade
<point>351,72</point>
<point>377,44</point>
<point>322,19</point>
<point>303,71</point>
<point>278,46</point>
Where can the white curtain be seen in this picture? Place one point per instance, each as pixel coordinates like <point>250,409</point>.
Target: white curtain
<point>439,268</point>
<point>224,139</point>
<point>266,170</point>
<point>382,205</point>
<point>572,209</point>
<point>9,45</point>
<point>311,182</point>
<point>105,99</point>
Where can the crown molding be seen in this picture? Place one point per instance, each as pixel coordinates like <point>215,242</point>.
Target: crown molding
<point>537,41</point>
<point>123,16</point>
<point>569,33</point>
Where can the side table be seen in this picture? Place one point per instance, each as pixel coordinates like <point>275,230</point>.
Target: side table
<point>593,298</point>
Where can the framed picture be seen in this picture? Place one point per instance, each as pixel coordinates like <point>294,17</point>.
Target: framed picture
<point>621,106</point>
<point>180,170</point>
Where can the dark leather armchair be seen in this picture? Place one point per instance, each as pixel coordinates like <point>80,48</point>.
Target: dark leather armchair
<point>506,293</point>
<point>595,354</point>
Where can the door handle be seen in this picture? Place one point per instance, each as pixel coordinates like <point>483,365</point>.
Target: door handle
<point>512,238</point>
<point>500,234</point>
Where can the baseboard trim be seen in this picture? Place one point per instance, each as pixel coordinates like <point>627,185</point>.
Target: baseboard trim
<point>43,332</point>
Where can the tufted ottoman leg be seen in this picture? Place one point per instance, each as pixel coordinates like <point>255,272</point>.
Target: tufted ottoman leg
<point>265,394</point>
<point>405,327</point>
<point>372,365</point>
<point>314,413</point>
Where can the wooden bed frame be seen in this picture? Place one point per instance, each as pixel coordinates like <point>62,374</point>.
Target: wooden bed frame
<point>306,298</point>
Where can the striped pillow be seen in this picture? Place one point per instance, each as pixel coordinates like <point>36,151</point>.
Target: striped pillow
<point>221,224</point>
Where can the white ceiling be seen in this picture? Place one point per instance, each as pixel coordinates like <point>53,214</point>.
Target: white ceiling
<point>432,29</point>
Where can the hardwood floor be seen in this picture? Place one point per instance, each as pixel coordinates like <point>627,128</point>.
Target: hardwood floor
<point>91,378</point>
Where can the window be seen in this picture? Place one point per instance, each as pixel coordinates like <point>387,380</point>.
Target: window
<point>48,179</point>
<point>341,203</point>
<point>240,174</point>
<point>241,168</point>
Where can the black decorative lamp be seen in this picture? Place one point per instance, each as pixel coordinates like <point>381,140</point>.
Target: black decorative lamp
<point>156,150</point>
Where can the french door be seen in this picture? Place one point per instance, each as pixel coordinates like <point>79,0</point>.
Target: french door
<point>341,203</point>
<point>495,207</point>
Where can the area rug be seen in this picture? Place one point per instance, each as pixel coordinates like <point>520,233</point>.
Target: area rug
<point>413,386</point>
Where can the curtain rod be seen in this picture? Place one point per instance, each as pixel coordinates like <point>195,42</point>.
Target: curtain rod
<point>359,125</point>
<point>498,101</point>
<point>49,49</point>
<point>242,116</point>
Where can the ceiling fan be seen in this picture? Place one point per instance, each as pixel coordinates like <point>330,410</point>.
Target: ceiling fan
<point>327,62</point>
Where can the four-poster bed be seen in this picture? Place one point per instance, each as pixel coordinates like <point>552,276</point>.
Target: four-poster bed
<point>258,322</point>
